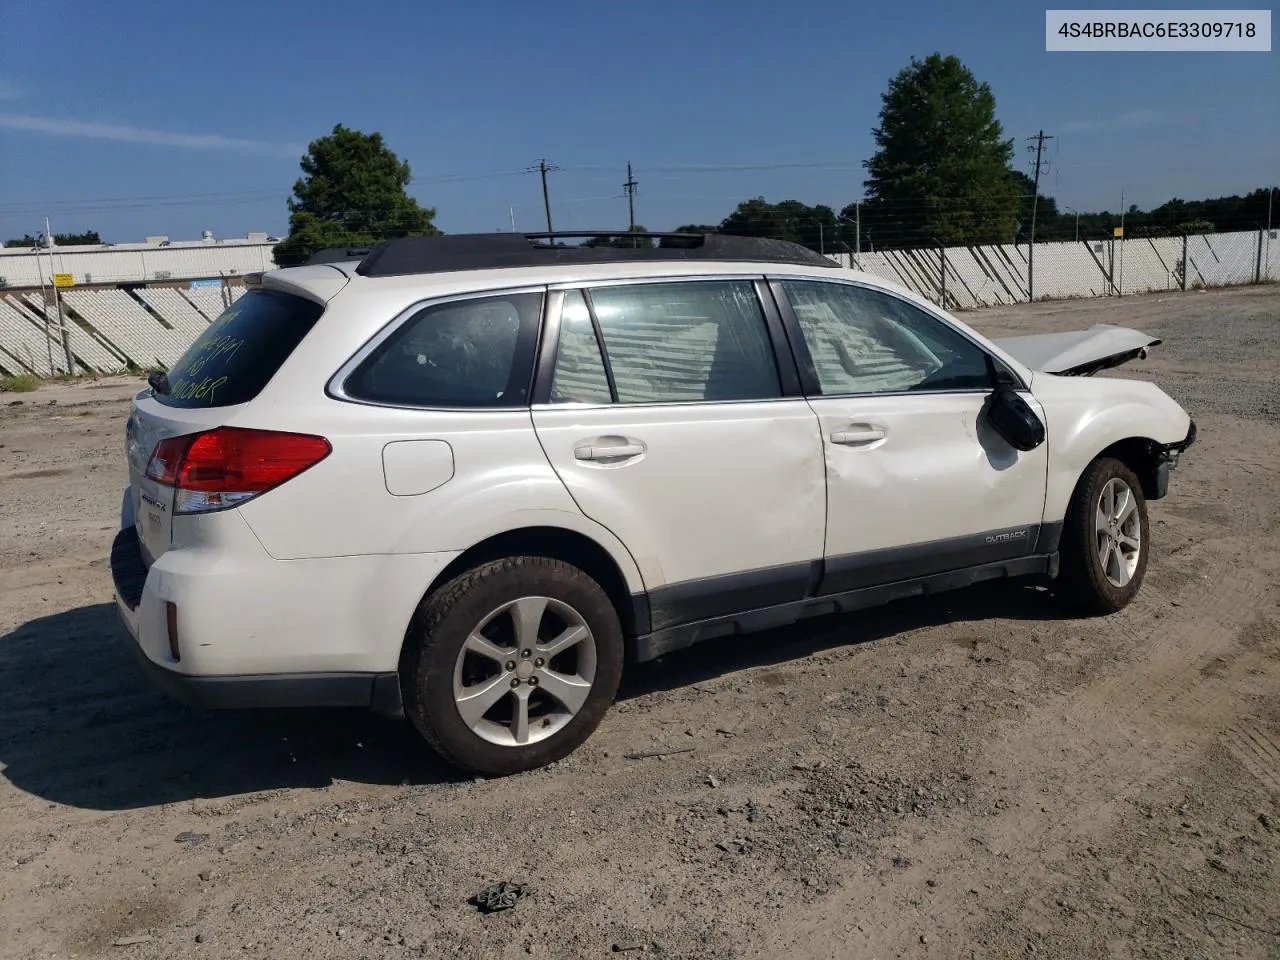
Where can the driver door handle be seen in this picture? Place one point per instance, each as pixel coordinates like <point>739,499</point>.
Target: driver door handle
<point>607,451</point>
<point>858,435</point>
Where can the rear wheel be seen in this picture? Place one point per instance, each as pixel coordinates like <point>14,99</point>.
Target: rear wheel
<point>512,665</point>
<point>1105,541</point>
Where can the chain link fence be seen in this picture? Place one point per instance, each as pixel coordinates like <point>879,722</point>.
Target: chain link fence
<point>110,329</point>
<point>965,278</point>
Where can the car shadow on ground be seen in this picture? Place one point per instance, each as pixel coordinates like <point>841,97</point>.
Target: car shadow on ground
<point>80,725</point>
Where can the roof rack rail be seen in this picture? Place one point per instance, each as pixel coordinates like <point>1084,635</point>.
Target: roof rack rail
<point>487,251</point>
<point>337,255</point>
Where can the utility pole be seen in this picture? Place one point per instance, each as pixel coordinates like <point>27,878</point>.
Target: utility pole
<point>546,197</point>
<point>630,188</point>
<point>1039,139</point>
<point>1271,195</point>
<point>1122,244</point>
<point>857,233</point>
<point>57,300</point>
<point>544,168</point>
<point>44,308</point>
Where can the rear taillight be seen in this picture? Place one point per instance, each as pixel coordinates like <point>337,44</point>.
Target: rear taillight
<point>227,466</point>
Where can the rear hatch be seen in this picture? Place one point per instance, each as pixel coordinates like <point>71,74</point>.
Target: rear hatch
<point>224,369</point>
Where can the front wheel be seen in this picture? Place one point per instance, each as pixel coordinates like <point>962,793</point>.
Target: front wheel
<point>1105,539</point>
<point>512,665</point>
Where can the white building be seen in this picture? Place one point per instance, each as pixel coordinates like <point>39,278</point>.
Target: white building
<point>156,260</point>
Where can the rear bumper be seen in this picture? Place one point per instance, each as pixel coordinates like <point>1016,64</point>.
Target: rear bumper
<point>137,604</point>
<point>379,692</point>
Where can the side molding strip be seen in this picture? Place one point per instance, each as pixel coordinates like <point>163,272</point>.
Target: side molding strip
<point>663,641</point>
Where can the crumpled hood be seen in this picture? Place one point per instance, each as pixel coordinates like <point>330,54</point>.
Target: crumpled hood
<point>1079,352</point>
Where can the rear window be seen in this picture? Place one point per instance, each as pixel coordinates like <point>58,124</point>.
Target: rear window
<point>232,361</point>
<point>464,353</point>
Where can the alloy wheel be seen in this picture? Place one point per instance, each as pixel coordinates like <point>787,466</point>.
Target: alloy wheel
<point>1118,529</point>
<point>524,671</point>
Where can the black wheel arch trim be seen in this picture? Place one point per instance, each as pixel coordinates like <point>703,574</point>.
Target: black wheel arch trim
<point>1150,460</point>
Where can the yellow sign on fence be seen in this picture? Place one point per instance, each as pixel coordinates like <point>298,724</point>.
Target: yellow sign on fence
<point>1117,231</point>
<point>64,279</point>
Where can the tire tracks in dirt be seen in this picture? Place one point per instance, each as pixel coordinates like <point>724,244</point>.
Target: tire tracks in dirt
<point>1069,767</point>
<point>1257,750</point>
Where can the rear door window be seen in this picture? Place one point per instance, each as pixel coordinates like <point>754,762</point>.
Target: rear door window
<point>579,375</point>
<point>241,351</point>
<point>688,341</point>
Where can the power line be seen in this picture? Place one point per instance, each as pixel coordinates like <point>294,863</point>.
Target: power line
<point>235,196</point>
<point>35,207</point>
<point>462,177</point>
<point>748,167</point>
<point>244,196</point>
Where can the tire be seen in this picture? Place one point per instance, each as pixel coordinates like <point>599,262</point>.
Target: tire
<point>466,636</point>
<point>1087,582</point>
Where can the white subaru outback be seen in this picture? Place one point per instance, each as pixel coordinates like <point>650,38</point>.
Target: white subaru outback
<point>462,479</point>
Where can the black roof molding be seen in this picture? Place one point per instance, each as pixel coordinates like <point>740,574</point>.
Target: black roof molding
<point>337,255</point>
<point>487,251</point>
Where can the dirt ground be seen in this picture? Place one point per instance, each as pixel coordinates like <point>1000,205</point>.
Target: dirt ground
<point>976,775</point>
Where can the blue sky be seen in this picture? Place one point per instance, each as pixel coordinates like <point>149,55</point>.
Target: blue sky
<point>147,117</point>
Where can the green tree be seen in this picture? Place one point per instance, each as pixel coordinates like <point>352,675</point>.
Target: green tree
<point>622,242</point>
<point>1048,222</point>
<point>88,238</point>
<point>352,194</point>
<point>814,227</point>
<point>941,171</point>
<point>1248,212</point>
<point>697,228</point>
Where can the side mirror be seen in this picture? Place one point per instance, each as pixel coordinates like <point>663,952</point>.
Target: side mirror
<point>1013,419</point>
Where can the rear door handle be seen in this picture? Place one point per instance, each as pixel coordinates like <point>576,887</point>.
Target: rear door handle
<point>858,436</point>
<point>607,451</point>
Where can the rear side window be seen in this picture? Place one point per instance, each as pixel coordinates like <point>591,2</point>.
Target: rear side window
<point>466,353</point>
<point>234,358</point>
